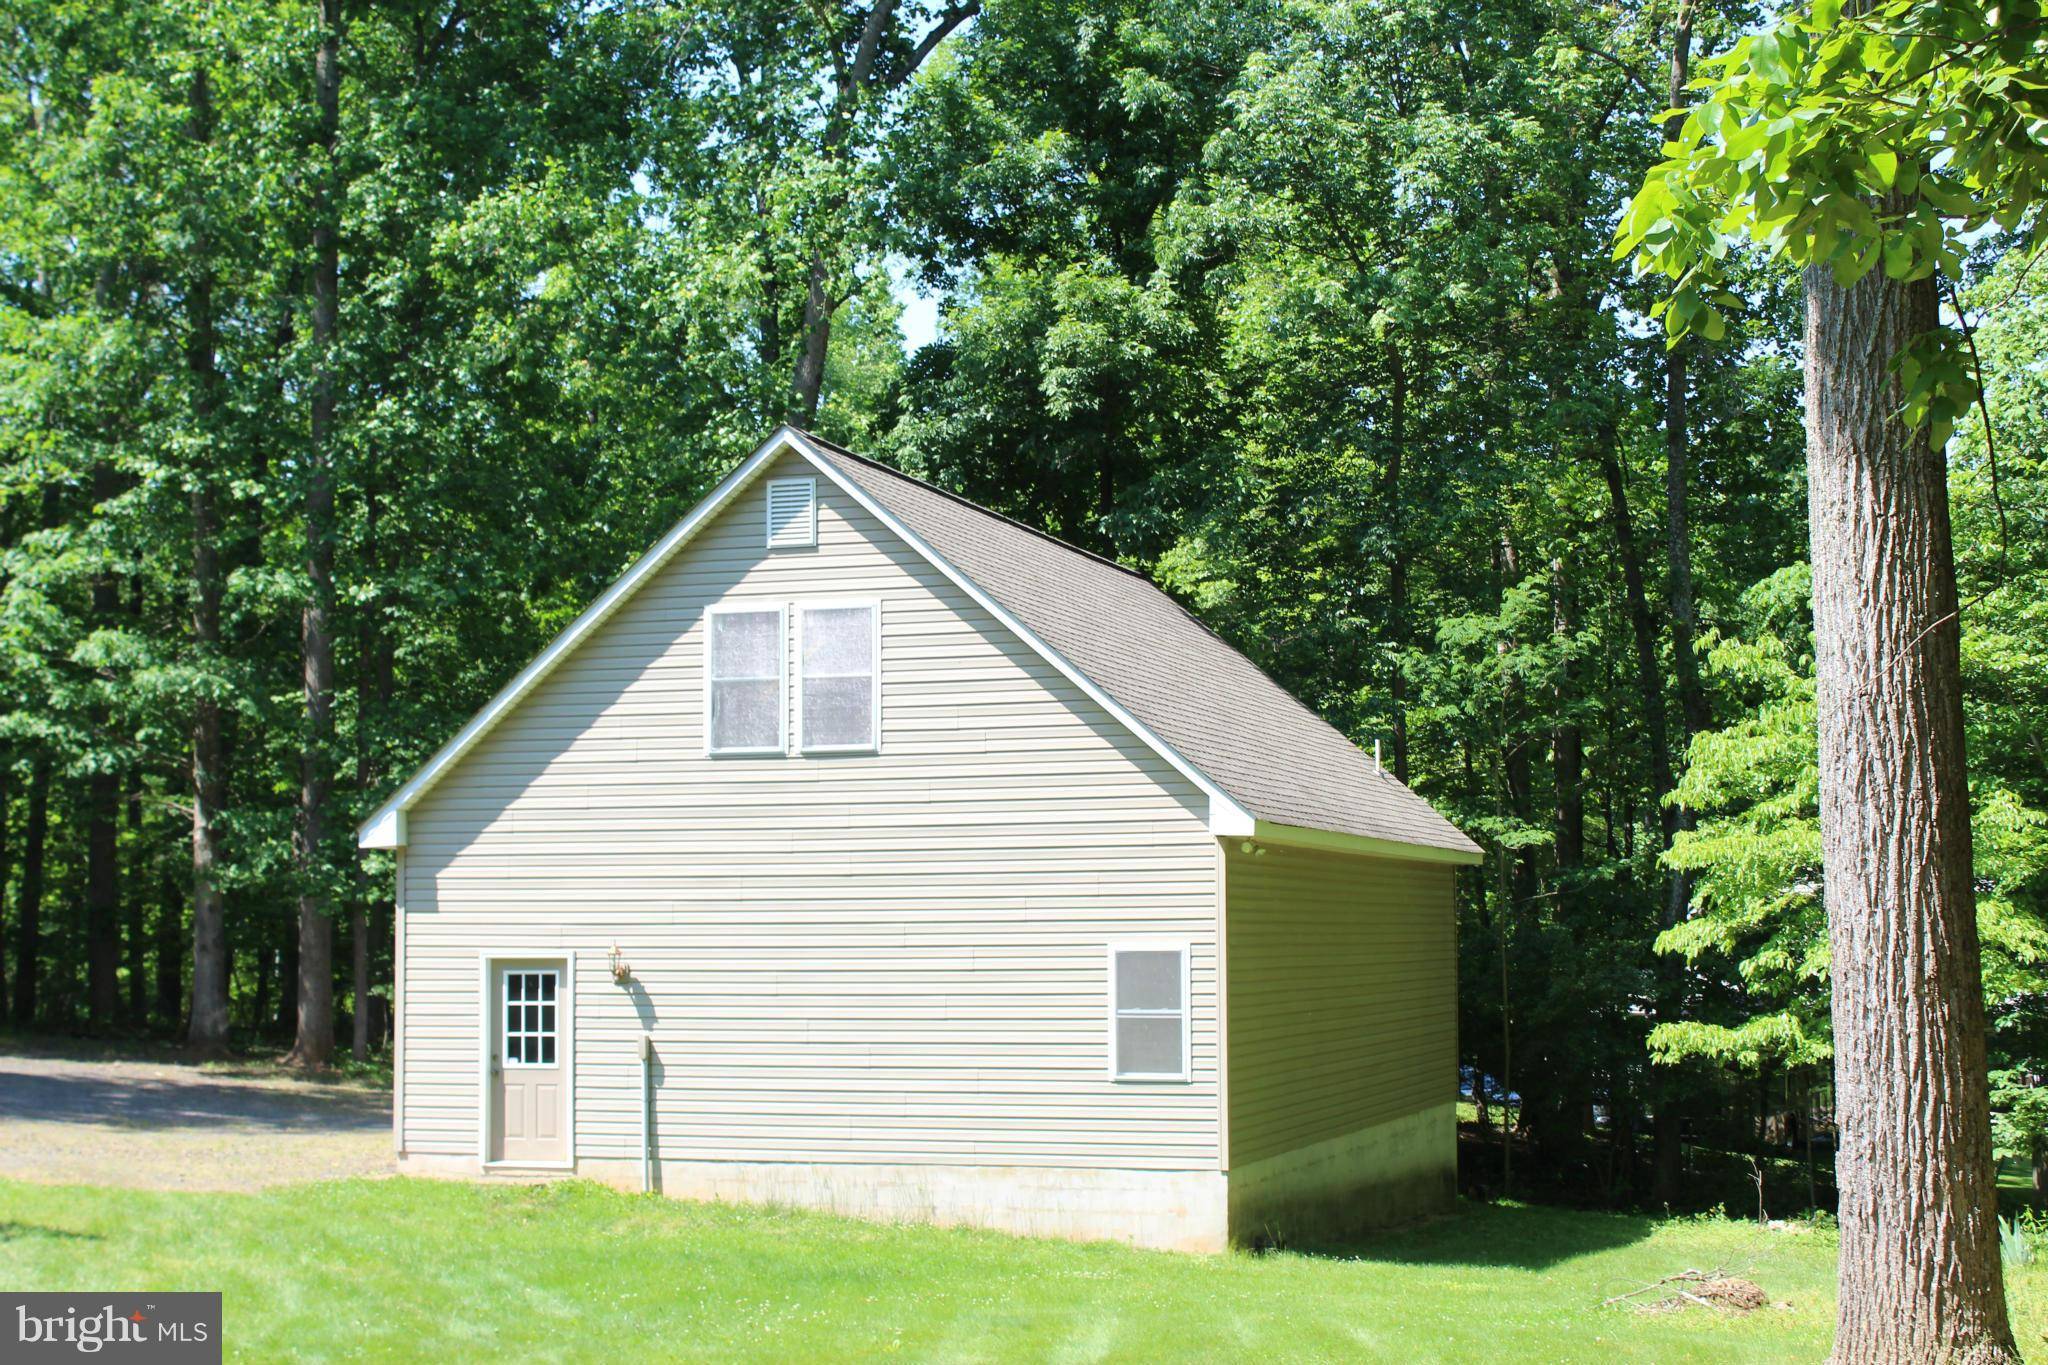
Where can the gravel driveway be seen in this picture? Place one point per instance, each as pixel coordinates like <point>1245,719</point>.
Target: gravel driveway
<point>174,1126</point>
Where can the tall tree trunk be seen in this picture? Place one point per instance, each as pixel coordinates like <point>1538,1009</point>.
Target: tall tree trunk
<point>6,819</point>
<point>1397,571</point>
<point>28,928</point>
<point>1665,1126</point>
<point>1920,1277</point>
<point>207,1030</point>
<point>264,963</point>
<point>857,81</point>
<point>138,930</point>
<point>170,956</point>
<point>1643,627</point>
<point>1692,697</point>
<point>817,342</point>
<point>102,816</point>
<point>1514,736</point>
<point>313,1043</point>
<point>290,952</point>
<point>102,900</point>
<point>373,697</point>
<point>359,980</point>
<point>1567,744</point>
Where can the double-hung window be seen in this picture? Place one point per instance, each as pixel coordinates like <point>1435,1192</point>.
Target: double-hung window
<point>1148,1025</point>
<point>838,681</point>
<point>745,711</point>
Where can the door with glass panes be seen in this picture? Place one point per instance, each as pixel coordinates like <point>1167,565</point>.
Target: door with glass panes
<point>529,1065</point>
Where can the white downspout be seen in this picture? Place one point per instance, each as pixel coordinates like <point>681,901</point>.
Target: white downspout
<point>646,1113</point>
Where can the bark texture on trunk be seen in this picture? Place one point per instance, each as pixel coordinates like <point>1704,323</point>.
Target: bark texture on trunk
<point>817,343</point>
<point>207,1029</point>
<point>1920,1276</point>
<point>313,1040</point>
<point>1665,1126</point>
<point>857,81</point>
<point>208,1026</point>
<point>28,926</point>
<point>1643,627</point>
<point>102,827</point>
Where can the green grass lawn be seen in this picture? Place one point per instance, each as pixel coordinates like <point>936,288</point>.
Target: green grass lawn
<point>415,1269</point>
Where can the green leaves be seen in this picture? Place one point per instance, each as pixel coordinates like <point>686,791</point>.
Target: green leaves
<point>1881,140</point>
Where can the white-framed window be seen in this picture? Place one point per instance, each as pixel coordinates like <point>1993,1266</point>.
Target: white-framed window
<point>530,1032</point>
<point>1148,1012</point>
<point>792,514</point>
<point>746,668</point>
<point>839,676</point>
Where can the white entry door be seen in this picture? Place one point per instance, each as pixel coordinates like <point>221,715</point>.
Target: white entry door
<point>529,1063</point>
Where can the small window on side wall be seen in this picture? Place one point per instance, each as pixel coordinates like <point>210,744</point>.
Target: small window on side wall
<point>744,669</point>
<point>1148,1026</point>
<point>839,691</point>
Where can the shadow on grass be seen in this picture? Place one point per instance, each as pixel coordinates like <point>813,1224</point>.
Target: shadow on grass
<point>146,1102</point>
<point>137,1084</point>
<point>1515,1236</point>
<point>258,1063</point>
<point>26,1232</point>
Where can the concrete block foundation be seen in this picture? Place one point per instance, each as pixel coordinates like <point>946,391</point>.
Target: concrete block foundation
<point>1329,1192</point>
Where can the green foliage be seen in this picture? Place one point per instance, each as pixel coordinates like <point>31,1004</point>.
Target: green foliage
<point>545,355</point>
<point>1309,310</point>
<point>1849,138</point>
<point>2015,1242</point>
<point>1755,853</point>
<point>1753,784</point>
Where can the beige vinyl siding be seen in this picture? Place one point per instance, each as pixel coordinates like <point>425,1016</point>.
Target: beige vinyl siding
<point>1343,994</point>
<point>875,957</point>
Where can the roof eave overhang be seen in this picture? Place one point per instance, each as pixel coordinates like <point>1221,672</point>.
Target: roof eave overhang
<point>1331,841</point>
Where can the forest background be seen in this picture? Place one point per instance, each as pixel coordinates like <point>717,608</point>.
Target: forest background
<point>348,350</point>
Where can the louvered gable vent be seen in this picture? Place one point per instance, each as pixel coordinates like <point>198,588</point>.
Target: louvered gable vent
<point>792,513</point>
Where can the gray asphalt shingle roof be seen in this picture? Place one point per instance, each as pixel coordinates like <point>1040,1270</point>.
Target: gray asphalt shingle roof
<point>1214,707</point>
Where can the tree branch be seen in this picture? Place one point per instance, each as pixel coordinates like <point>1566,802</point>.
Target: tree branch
<point>870,42</point>
<point>1619,65</point>
<point>948,21</point>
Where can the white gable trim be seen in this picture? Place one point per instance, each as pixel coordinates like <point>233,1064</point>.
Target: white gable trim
<point>386,827</point>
